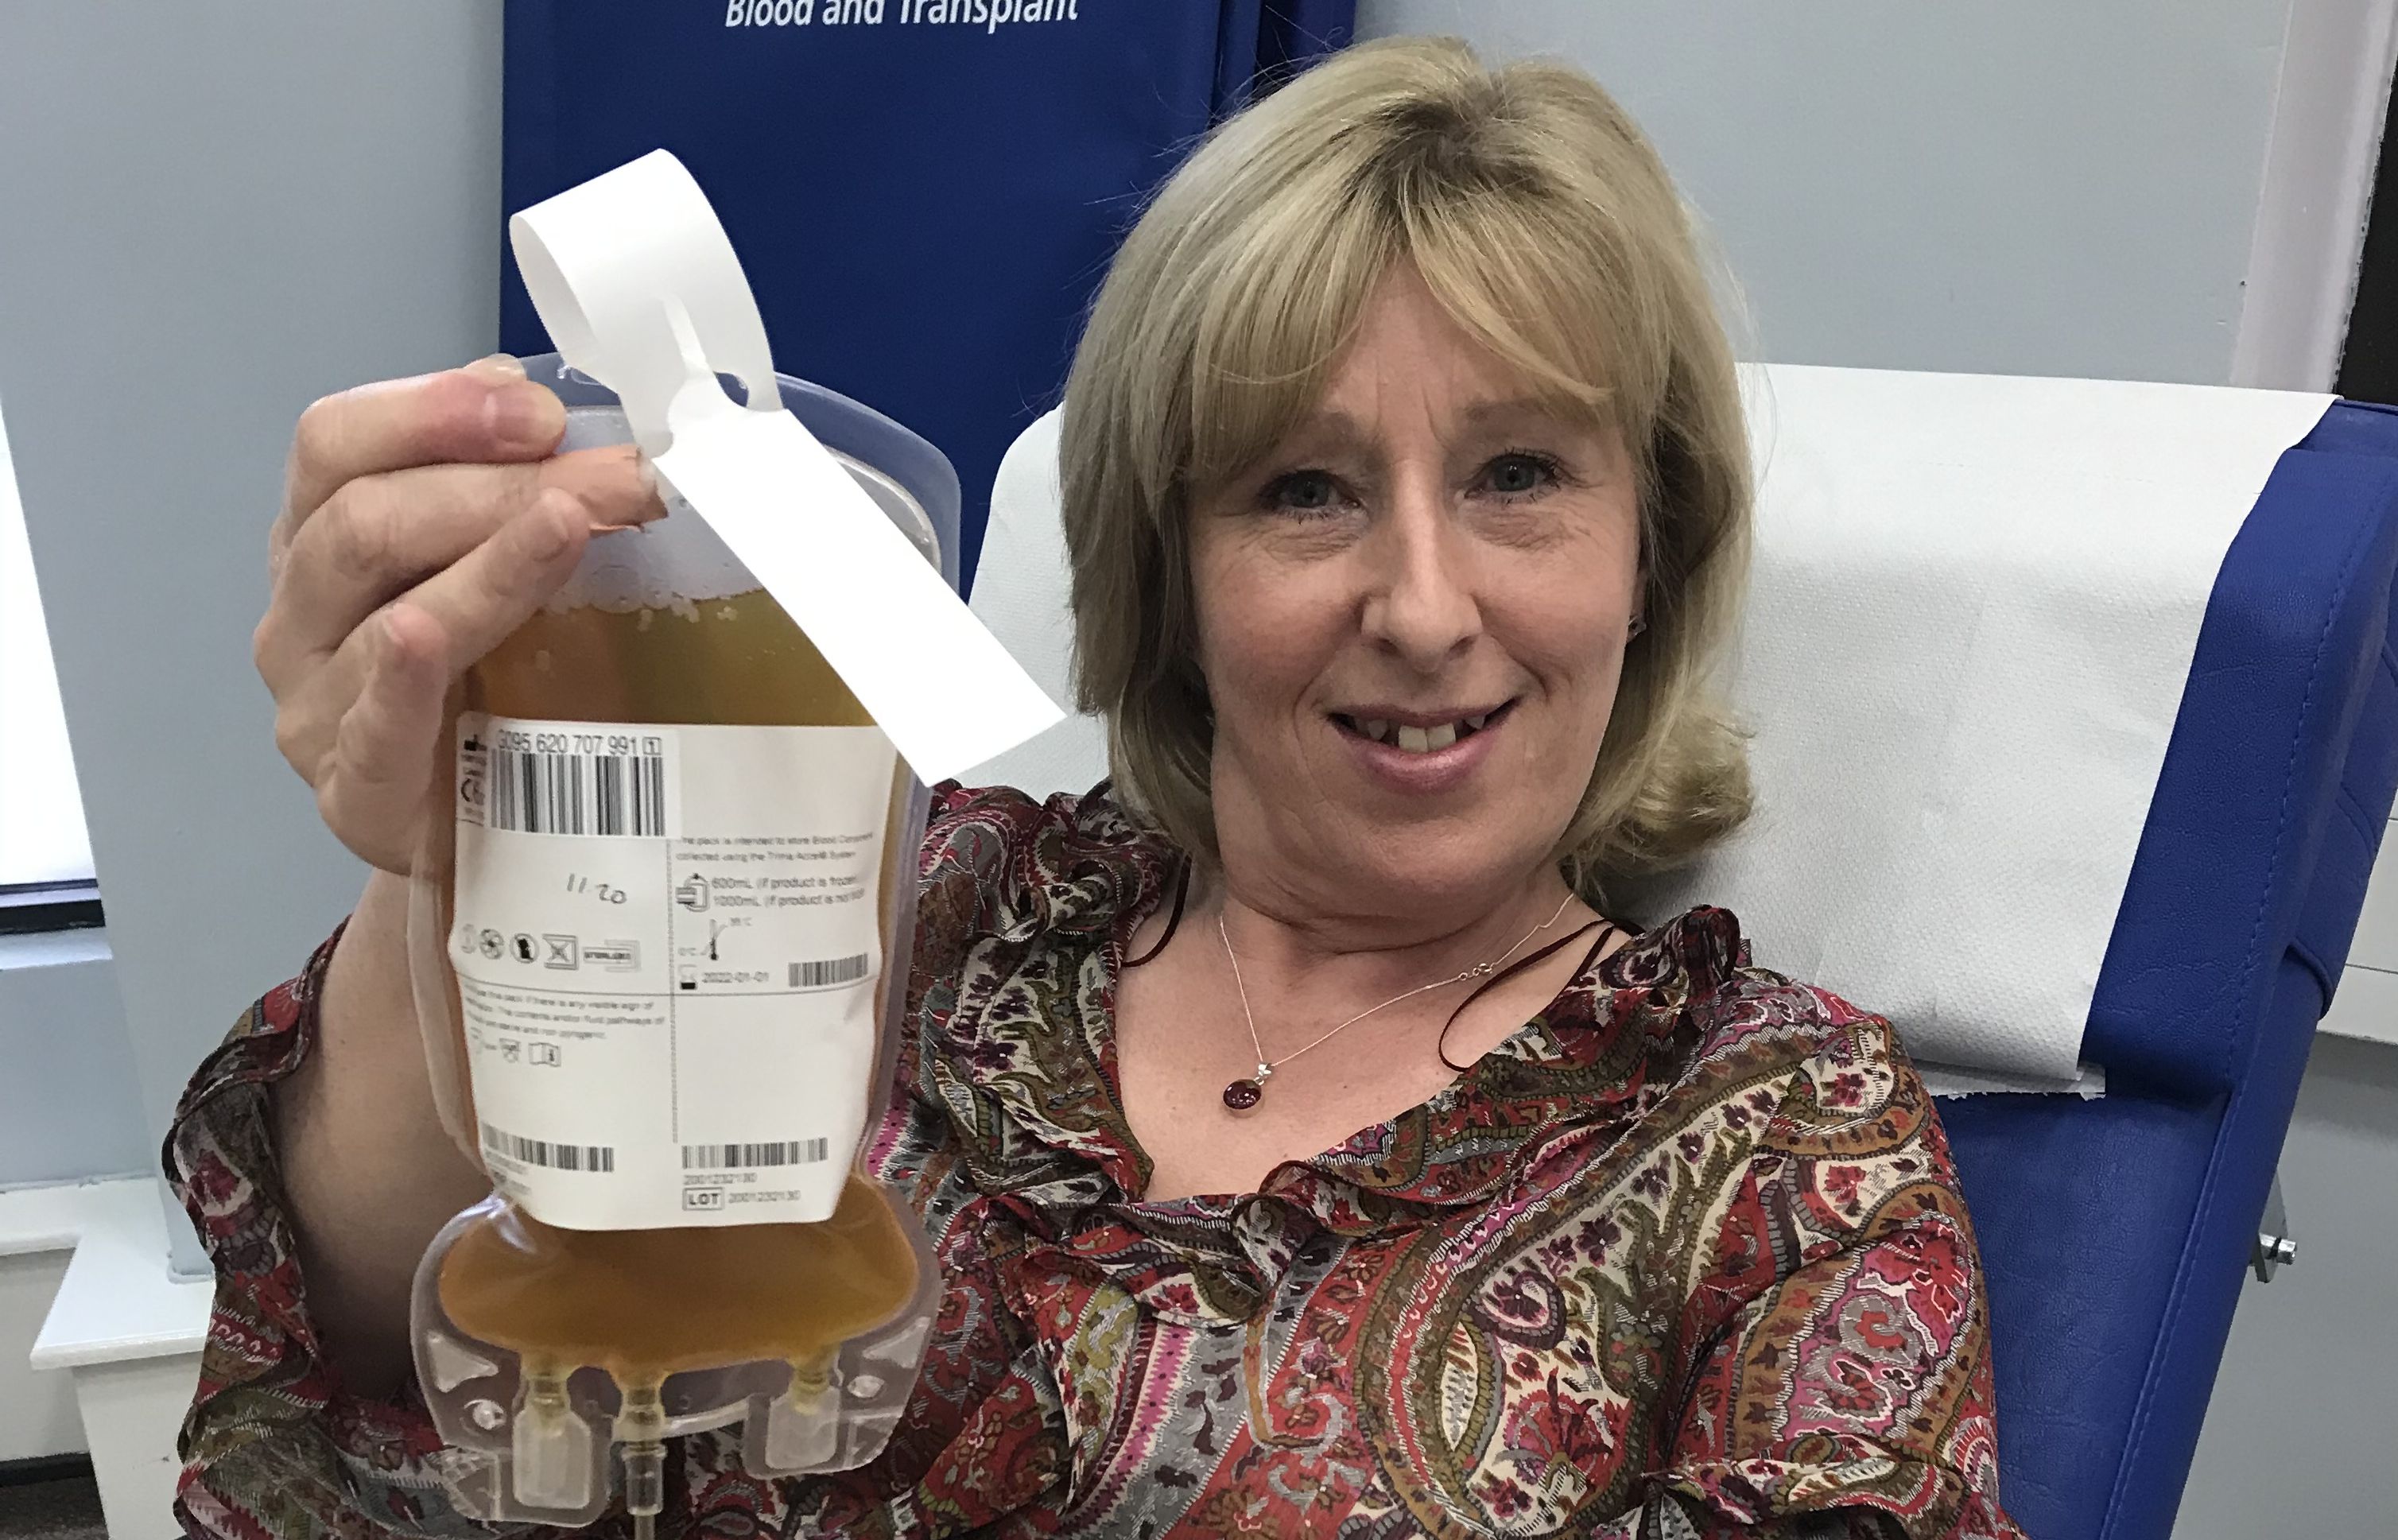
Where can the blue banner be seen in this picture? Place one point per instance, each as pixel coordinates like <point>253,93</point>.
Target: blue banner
<point>924,192</point>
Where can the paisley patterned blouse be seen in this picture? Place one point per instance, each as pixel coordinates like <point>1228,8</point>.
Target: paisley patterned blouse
<point>1684,1256</point>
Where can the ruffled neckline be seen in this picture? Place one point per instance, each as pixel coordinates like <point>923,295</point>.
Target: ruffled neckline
<point>1613,1038</point>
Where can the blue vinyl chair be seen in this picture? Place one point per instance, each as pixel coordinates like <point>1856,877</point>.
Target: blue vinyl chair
<point>2115,1233</point>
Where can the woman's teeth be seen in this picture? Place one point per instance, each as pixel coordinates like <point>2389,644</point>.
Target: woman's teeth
<point>1419,740</point>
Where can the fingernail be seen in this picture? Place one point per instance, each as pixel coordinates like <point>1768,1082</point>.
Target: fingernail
<point>655,503</point>
<point>498,368</point>
<point>521,415</point>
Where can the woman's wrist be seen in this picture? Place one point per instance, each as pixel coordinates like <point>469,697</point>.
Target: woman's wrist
<point>369,1172</point>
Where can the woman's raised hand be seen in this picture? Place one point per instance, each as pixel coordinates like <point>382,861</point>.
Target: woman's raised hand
<point>422,520</point>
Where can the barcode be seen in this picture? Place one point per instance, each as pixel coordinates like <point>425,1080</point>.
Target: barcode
<point>554,794</point>
<point>742,1157</point>
<point>541,1152</point>
<point>832,970</point>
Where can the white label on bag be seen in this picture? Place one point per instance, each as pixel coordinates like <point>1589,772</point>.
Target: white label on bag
<point>666,940</point>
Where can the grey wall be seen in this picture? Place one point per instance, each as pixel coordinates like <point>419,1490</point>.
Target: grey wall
<point>66,1106</point>
<point>2042,188</point>
<point>209,216</point>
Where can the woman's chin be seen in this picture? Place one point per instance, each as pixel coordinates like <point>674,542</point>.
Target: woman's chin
<point>1444,864</point>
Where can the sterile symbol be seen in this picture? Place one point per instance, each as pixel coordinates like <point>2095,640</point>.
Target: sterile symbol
<point>524,947</point>
<point>470,780</point>
<point>560,953</point>
<point>492,945</point>
<point>615,956</point>
<point>692,893</point>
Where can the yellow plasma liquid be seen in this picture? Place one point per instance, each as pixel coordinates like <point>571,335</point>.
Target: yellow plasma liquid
<point>647,1304</point>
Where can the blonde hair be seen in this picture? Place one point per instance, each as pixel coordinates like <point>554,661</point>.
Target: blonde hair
<point>1546,225</point>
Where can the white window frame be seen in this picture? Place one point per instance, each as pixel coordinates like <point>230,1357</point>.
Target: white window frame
<point>2315,193</point>
<point>47,879</point>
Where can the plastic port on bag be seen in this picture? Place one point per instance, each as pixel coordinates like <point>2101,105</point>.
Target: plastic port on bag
<point>526,1441</point>
<point>659,951</point>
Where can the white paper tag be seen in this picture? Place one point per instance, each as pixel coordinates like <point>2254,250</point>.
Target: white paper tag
<point>640,290</point>
<point>666,940</point>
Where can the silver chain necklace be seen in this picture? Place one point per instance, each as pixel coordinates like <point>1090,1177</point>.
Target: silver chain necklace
<point>1242,1095</point>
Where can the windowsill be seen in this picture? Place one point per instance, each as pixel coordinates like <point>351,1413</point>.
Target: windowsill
<point>33,949</point>
<point>41,907</point>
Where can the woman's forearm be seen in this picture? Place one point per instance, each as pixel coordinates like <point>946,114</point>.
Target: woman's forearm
<point>369,1172</point>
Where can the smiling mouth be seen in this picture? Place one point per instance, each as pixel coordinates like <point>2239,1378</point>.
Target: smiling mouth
<point>1412,738</point>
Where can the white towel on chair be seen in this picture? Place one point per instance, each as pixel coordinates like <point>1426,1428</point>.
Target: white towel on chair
<point>1974,606</point>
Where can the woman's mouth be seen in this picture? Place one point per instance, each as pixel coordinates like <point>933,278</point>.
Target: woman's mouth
<point>1419,753</point>
<point>1421,735</point>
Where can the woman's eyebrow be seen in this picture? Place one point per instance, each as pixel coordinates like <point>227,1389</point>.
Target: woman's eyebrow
<point>1519,409</point>
<point>1326,430</point>
<point>1329,431</point>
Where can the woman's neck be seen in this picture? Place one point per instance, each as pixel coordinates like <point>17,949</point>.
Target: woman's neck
<point>1299,946</point>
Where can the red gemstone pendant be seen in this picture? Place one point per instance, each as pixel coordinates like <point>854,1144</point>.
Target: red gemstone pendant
<point>1241,1095</point>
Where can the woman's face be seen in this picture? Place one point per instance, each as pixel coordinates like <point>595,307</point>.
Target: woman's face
<point>1412,618</point>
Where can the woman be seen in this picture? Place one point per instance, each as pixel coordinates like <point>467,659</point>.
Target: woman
<point>1304,1151</point>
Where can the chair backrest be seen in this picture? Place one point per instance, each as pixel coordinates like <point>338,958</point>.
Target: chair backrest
<point>1021,592</point>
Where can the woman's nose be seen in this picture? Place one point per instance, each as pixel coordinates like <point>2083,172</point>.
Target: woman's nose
<point>1420,605</point>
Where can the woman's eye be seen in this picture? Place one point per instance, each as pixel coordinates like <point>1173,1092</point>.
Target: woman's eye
<point>1519,474</point>
<point>1302,491</point>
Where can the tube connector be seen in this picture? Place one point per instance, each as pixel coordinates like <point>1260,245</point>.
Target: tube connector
<point>804,1425</point>
<point>553,1447</point>
<point>640,1436</point>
